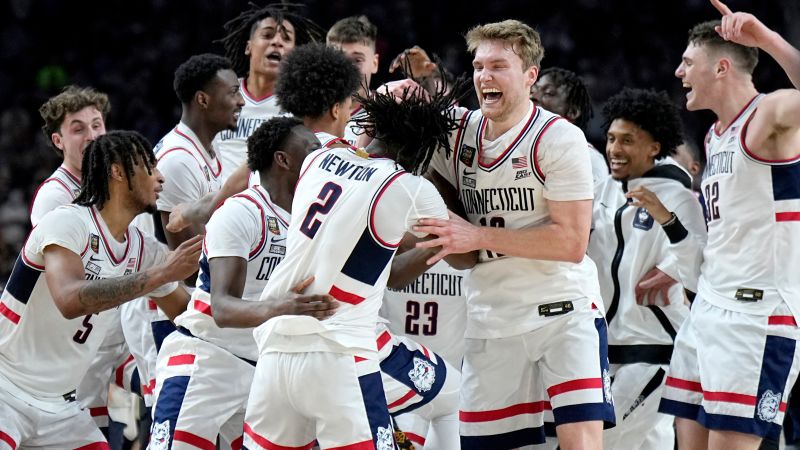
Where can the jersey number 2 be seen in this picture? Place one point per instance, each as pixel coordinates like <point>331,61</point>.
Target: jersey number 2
<point>328,195</point>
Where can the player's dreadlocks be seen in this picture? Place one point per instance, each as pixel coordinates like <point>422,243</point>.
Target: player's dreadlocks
<point>577,94</point>
<point>127,148</point>
<point>240,29</point>
<point>415,127</point>
<point>268,138</point>
<point>651,111</point>
<point>313,78</point>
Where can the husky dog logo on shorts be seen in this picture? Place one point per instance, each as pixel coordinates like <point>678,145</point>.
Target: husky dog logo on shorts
<point>607,387</point>
<point>423,375</point>
<point>768,405</point>
<point>160,436</point>
<point>385,439</point>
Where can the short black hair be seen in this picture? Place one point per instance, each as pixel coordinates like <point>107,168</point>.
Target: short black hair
<point>194,74</point>
<point>415,127</point>
<point>353,29</point>
<point>241,28</point>
<point>705,34</point>
<point>313,78</point>
<point>577,94</point>
<point>128,148</point>
<point>650,110</point>
<point>268,138</point>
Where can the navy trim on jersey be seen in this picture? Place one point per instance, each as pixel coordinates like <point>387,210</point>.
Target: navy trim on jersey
<point>170,400</point>
<point>786,181</point>
<point>262,242</point>
<point>400,364</point>
<point>205,274</point>
<point>374,403</point>
<point>161,329</point>
<point>374,203</point>
<point>22,280</point>
<point>367,260</point>
<point>512,439</point>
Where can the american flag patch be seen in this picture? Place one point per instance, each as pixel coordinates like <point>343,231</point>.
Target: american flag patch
<point>519,163</point>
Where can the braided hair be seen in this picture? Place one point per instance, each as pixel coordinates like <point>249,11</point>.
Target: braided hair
<point>127,148</point>
<point>240,29</point>
<point>577,94</point>
<point>414,128</point>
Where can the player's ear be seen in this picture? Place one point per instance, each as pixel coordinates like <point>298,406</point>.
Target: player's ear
<point>723,66</point>
<point>202,99</point>
<point>573,114</point>
<point>247,49</point>
<point>655,149</point>
<point>118,173</point>
<point>375,64</point>
<point>335,110</point>
<point>281,159</point>
<point>531,75</point>
<point>56,138</point>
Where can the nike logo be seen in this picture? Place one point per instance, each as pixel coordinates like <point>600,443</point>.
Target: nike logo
<point>93,259</point>
<point>468,174</point>
<point>274,240</point>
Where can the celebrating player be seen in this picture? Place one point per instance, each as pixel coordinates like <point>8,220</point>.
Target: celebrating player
<point>79,262</point>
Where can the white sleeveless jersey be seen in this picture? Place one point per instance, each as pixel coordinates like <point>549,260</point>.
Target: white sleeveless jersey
<point>41,353</point>
<point>60,188</point>
<point>350,212</point>
<point>250,226</point>
<point>231,145</point>
<point>504,183</point>
<point>189,171</point>
<point>753,210</point>
<point>328,140</point>
<point>432,310</point>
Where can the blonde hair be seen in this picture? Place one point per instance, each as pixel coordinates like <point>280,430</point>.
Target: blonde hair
<point>525,41</point>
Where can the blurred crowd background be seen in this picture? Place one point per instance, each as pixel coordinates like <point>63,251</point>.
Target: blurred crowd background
<point>130,49</point>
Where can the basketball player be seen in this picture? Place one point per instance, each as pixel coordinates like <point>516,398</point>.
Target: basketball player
<point>524,178</point>
<point>205,371</point>
<point>736,356</point>
<point>561,91</point>
<point>628,240</point>
<point>256,42</point>
<point>79,262</point>
<point>291,401</point>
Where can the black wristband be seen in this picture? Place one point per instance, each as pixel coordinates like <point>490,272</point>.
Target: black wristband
<point>675,230</point>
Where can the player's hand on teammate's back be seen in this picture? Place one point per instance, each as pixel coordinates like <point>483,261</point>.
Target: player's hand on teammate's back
<point>182,262</point>
<point>177,218</point>
<point>741,28</point>
<point>454,235</point>
<point>653,288</point>
<point>320,307</point>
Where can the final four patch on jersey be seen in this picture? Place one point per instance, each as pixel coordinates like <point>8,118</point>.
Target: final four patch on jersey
<point>272,224</point>
<point>467,155</point>
<point>643,220</point>
<point>94,242</point>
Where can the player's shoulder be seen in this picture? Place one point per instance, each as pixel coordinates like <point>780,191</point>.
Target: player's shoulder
<point>69,218</point>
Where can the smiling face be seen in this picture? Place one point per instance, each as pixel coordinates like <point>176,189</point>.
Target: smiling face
<point>631,150</point>
<point>501,81</point>
<point>76,131</point>
<point>697,73</point>
<point>225,102</point>
<point>269,43</point>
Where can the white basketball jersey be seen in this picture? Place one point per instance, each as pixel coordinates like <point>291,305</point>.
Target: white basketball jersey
<point>753,208</point>
<point>350,211</point>
<point>504,183</point>
<point>60,188</point>
<point>432,311</point>
<point>250,226</point>
<point>189,171</point>
<point>42,353</point>
<point>231,145</point>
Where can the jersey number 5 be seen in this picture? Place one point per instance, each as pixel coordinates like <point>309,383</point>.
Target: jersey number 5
<point>328,195</point>
<point>82,335</point>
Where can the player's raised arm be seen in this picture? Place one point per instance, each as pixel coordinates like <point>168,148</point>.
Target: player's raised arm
<point>745,29</point>
<point>76,296</point>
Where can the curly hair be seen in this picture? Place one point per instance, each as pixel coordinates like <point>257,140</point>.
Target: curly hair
<point>268,138</point>
<point>415,127</point>
<point>577,94</point>
<point>71,100</point>
<point>354,29</point>
<point>241,28</point>
<point>127,148</point>
<point>313,78</point>
<point>652,111</point>
<point>195,73</point>
<point>705,34</point>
